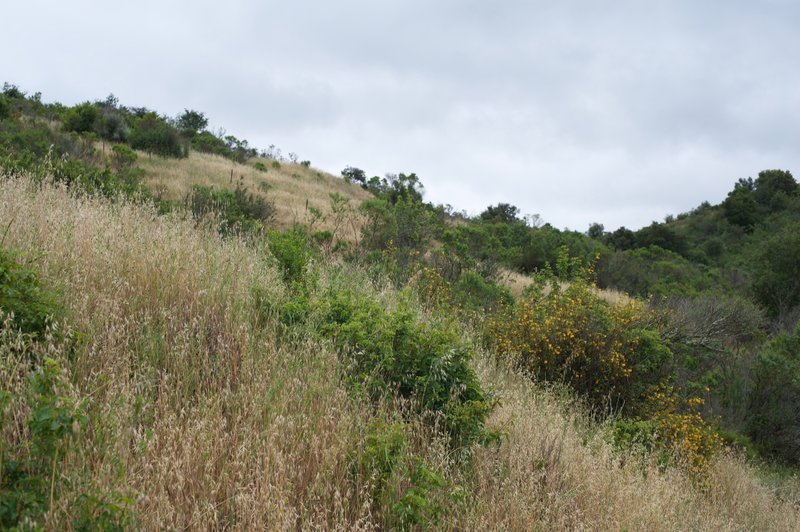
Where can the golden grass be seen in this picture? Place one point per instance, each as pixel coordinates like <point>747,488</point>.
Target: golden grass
<point>293,188</point>
<point>210,417</point>
<point>556,471</point>
<point>517,283</point>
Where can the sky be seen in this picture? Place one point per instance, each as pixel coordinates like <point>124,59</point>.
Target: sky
<point>617,112</point>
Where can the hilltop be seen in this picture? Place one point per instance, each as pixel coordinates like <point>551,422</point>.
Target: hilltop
<point>197,334</point>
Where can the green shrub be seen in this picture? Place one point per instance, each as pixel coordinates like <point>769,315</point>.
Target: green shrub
<point>5,107</point>
<point>153,134</point>
<point>21,294</point>
<point>292,251</point>
<point>776,271</point>
<point>81,118</point>
<point>123,157</point>
<point>239,209</point>
<point>391,352</point>
<point>261,167</point>
<point>774,423</point>
<point>472,290</point>
<point>406,491</point>
<point>604,352</point>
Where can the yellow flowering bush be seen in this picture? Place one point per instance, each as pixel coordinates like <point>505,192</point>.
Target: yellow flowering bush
<point>692,441</point>
<point>569,334</point>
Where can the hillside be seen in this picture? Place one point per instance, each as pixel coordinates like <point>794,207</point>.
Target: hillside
<point>292,187</point>
<point>185,350</point>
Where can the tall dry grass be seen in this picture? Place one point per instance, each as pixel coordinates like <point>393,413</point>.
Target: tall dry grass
<point>557,471</point>
<point>293,188</point>
<point>211,416</point>
<point>212,421</point>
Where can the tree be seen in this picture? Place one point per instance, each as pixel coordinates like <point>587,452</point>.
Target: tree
<point>776,272</point>
<point>190,123</point>
<point>502,213</point>
<point>596,231</point>
<point>352,174</point>
<point>81,118</point>
<point>772,182</point>
<point>741,208</point>
<point>5,107</point>
<point>154,135</point>
<point>774,408</point>
<point>621,239</point>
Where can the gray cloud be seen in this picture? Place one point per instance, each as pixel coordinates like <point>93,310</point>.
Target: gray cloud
<point>581,111</point>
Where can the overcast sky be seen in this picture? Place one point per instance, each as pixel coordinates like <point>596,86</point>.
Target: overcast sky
<point>618,112</point>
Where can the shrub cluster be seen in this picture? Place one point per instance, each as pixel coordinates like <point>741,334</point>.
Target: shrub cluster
<point>393,352</point>
<point>239,209</point>
<point>605,352</point>
<point>21,295</point>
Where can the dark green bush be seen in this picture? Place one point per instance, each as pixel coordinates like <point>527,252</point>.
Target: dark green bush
<point>471,290</point>
<point>21,294</point>
<point>240,209</point>
<point>391,352</point>
<point>774,424</point>
<point>5,107</point>
<point>776,271</point>
<point>407,493</point>
<point>81,118</point>
<point>122,157</point>
<point>293,252</point>
<point>153,134</point>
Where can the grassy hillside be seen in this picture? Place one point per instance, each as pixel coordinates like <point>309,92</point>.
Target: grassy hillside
<point>202,412</point>
<point>199,335</point>
<point>292,187</point>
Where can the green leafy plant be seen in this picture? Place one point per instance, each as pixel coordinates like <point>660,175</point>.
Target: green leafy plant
<point>391,352</point>
<point>22,295</point>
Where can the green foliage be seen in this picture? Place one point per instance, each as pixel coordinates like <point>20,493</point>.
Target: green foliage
<point>399,232</point>
<point>21,294</point>
<point>355,175</point>
<point>408,492</point>
<point>5,107</point>
<point>472,290</point>
<point>153,134</point>
<point>293,252</point>
<point>391,351</point>
<point>774,423</point>
<point>239,209</point>
<point>261,167</point>
<point>776,271</point>
<point>27,480</point>
<point>392,188</point>
<point>123,157</point>
<point>771,184</point>
<point>662,236</point>
<point>81,118</point>
<point>502,213</point>
<point>741,209</point>
<point>190,123</point>
<point>606,353</point>
<point>648,271</point>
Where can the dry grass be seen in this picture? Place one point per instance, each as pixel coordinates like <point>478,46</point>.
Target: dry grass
<point>293,188</point>
<point>211,417</point>
<point>517,283</point>
<point>557,472</point>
